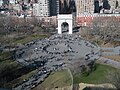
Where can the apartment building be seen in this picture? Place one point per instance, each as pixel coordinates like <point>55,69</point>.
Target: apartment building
<point>53,7</point>
<point>84,6</point>
<point>1,2</point>
<point>41,8</point>
<point>46,8</point>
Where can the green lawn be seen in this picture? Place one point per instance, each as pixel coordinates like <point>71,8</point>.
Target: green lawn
<point>6,62</point>
<point>57,79</point>
<point>96,76</point>
<point>11,72</point>
<point>5,55</point>
<point>7,67</point>
<point>19,80</point>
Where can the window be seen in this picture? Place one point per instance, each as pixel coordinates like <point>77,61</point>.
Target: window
<point>85,8</point>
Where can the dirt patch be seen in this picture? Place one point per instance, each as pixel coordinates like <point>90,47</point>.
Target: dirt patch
<point>107,45</point>
<point>106,50</point>
<point>113,57</point>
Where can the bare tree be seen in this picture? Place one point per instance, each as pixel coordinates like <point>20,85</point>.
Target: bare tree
<point>106,28</point>
<point>86,32</point>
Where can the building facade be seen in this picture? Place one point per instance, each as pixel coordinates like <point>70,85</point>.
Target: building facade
<point>53,7</point>
<point>87,20</point>
<point>112,4</point>
<point>63,6</point>
<point>84,6</point>
<point>41,8</point>
<point>109,6</point>
<point>46,8</point>
<point>1,2</point>
<point>12,1</point>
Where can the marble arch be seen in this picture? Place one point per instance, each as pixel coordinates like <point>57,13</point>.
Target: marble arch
<point>68,18</point>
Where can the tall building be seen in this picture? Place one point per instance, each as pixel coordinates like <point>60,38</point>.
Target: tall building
<point>96,6</point>
<point>118,3</point>
<point>84,6</point>
<point>112,4</point>
<point>63,6</point>
<point>46,8</point>
<point>72,6</point>
<point>53,7</point>
<point>41,8</point>
<point>12,1</point>
<point>109,6</point>
<point>1,2</point>
<point>67,6</point>
<point>36,11</point>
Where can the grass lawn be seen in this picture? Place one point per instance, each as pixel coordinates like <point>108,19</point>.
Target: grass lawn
<point>19,80</point>
<point>6,62</point>
<point>96,76</point>
<point>5,55</point>
<point>56,79</point>
<point>8,65</point>
<point>11,72</point>
<point>30,38</point>
<point>9,69</point>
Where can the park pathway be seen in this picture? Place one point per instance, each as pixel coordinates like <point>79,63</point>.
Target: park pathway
<point>110,62</point>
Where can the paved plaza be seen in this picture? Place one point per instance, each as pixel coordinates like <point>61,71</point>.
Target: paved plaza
<point>59,52</point>
<point>54,53</point>
<point>57,48</point>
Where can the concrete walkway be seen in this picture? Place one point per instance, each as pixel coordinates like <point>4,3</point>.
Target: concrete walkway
<point>110,62</point>
<point>113,50</point>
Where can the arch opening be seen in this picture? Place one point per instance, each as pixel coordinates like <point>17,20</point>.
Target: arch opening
<point>65,27</point>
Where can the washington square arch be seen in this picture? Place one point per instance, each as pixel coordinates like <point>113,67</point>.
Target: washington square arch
<point>65,20</point>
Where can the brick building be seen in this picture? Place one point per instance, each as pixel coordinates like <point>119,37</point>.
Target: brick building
<point>87,19</point>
